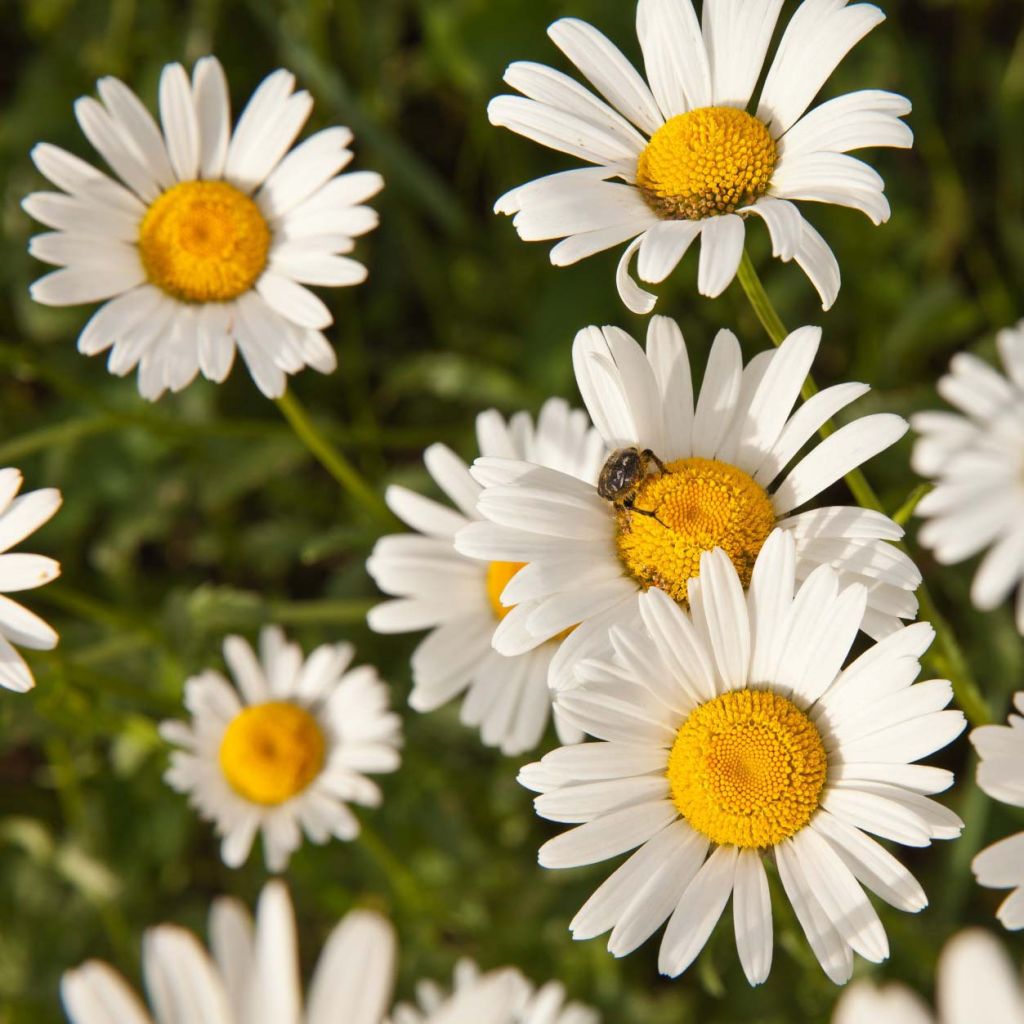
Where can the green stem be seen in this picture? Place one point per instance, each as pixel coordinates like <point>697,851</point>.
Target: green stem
<point>326,611</point>
<point>330,457</point>
<point>946,655</point>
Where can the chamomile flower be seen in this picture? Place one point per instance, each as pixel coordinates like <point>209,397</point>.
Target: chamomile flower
<point>680,155</point>
<point>732,734</point>
<point>976,981</point>
<point>724,484</point>
<point>1001,775</point>
<point>250,976</point>
<point>458,598</point>
<point>503,996</point>
<point>976,458</point>
<point>286,748</point>
<point>209,238</point>
<point>20,516</point>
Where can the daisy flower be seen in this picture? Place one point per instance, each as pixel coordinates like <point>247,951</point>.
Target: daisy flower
<point>1001,775</point>
<point>458,598</point>
<point>251,976</point>
<point>680,156</point>
<point>212,237</point>
<point>284,750</point>
<point>504,996</point>
<point>976,982</point>
<point>723,484</point>
<point>20,516</point>
<point>976,458</point>
<point>732,734</point>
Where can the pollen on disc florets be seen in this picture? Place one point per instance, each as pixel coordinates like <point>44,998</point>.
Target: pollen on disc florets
<point>272,752</point>
<point>747,769</point>
<point>204,241</point>
<point>706,162</point>
<point>700,505</point>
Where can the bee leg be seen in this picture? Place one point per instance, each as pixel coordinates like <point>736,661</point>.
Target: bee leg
<point>648,454</point>
<point>628,504</point>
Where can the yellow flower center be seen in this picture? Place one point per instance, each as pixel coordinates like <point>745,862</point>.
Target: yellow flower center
<point>271,752</point>
<point>706,162</point>
<point>498,575</point>
<point>700,505</point>
<point>204,241</point>
<point>747,769</point>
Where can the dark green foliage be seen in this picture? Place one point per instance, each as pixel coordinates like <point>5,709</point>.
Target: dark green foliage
<point>203,514</point>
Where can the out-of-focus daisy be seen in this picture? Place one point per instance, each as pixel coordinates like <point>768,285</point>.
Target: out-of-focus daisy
<point>976,458</point>
<point>251,976</point>
<point>679,156</point>
<point>458,598</point>
<point>1001,775</point>
<point>284,750</point>
<point>503,996</point>
<point>977,983</point>
<point>21,515</point>
<point>724,485</point>
<point>214,234</point>
<point>733,733</point>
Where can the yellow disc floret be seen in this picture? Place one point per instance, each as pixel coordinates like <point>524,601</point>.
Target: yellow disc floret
<point>700,505</point>
<point>747,769</point>
<point>498,575</point>
<point>272,752</point>
<point>709,161</point>
<point>204,241</point>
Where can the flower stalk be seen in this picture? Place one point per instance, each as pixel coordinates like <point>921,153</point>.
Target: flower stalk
<point>945,655</point>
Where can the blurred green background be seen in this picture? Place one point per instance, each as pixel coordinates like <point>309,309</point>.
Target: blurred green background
<point>203,515</point>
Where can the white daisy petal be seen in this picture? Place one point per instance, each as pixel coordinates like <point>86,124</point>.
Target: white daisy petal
<point>102,132</point>
<point>721,247</point>
<point>870,117</point>
<point>752,917</point>
<point>718,394</point>
<point>847,448</point>
<point>784,223</point>
<point>697,912</point>
<point>77,285</point>
<point>737,36</point>
<point>818,36</point>
<point>561,130</point>
<point>213,114</point>
<point>663,246</point>
<point>181,980</point>
<point>181,125</point>
<point>674,55</point>
<point>832,178</point>
<point>976,465</point>
<point>832,952</point>
<point>354,976</point>
<point>137,124</point>
<point>96,994</point>
<point>554,89</point>
<point>819,263</point>
<point>608,71</point>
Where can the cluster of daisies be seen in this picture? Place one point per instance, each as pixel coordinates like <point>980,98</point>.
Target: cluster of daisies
<point>731,665</point>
